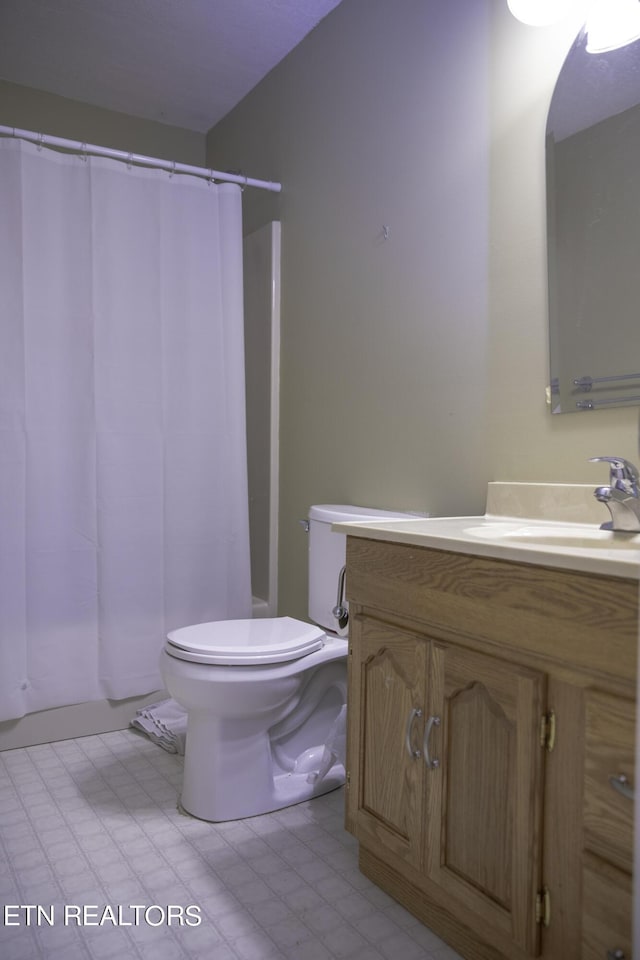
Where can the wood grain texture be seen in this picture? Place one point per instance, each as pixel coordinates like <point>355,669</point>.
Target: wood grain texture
<point>505,643</point>
<point>478,821</point>
<point>606,913</point>
<point>437,914</point>
<point>485,801</point>
<point>561,616</point>
<point>388,673</point>
<point>562,837</point>
<point>610,740</point>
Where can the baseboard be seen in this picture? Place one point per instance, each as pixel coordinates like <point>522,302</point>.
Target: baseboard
<point>74,720</point>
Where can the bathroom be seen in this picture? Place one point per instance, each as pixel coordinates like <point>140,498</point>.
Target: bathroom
<point>409,137</point>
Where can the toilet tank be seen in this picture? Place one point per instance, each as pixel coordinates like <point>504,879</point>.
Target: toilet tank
<point>328,554</point>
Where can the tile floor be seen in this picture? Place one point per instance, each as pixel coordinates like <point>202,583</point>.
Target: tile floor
<point>90,833</point>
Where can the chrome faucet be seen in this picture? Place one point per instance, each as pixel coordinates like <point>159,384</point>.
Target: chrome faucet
<point>621,497</point>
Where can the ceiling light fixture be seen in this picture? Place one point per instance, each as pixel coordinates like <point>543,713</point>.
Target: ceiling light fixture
<point>612,24</point>
<point>542,13</point>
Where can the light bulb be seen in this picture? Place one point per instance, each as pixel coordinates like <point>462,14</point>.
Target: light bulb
<point>612,24</point>
<point>542,13</point>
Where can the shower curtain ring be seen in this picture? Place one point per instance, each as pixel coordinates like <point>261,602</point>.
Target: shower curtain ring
<point>173,168</point>
<point>83,152</point>
<point>129,161</point>
<point>40,143</point>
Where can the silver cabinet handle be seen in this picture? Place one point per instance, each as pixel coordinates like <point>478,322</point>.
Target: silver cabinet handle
<point>615,955</point>
<point>432,764</point>
<point>620,783</point>
<point>415,714</point>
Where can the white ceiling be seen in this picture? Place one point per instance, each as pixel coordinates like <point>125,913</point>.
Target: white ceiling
<point>182,62</point>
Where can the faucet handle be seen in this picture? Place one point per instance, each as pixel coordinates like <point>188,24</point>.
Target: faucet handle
<point>623,474</point>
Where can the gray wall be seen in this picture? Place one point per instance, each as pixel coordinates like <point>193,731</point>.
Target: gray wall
<point>46,113</point>
<point>413,369</point>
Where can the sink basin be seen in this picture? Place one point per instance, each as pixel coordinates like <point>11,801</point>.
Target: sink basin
<point>564,544</point>
<point>570,536</point>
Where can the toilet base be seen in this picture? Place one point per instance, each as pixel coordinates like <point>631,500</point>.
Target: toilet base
<point>288,789</point>
<point>260,738</point>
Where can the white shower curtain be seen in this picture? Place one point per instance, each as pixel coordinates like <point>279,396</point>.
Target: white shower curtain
<point>123,493</point>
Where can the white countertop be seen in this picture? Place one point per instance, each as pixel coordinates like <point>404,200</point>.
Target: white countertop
<point>544,526</point>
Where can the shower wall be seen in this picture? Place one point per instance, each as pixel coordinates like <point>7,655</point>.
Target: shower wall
<point>262,378</point>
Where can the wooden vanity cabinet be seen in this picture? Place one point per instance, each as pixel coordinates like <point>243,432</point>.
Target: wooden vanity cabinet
<point>609,776</point>
<point>475,731</point>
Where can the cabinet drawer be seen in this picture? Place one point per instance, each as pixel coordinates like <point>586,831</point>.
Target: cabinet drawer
<point>606,911</point>
<point>609,764</point>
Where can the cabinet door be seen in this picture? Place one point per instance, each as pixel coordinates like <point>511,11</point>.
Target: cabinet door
<point>387,680</point>
<point>484,798</point>
<point>606,911</point>
<point>609,777</point>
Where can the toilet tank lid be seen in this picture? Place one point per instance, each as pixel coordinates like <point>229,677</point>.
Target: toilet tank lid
<point>342,513</point>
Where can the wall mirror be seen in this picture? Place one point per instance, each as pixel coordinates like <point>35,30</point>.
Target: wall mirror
<point>593,221</point>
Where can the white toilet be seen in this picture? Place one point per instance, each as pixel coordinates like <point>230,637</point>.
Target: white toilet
<point>266,698</point>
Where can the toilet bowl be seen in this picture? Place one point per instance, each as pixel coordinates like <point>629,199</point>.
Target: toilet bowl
<point>261,701</point>
<point>266,698</point>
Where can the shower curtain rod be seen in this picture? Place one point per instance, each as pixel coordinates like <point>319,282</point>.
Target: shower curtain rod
<point>42,140</point>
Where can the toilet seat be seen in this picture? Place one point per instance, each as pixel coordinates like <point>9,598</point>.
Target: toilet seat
<point>245,642</point>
